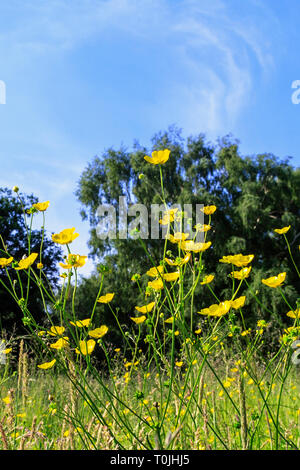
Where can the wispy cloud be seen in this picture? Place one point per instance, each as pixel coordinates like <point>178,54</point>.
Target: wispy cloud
<point>223,58</point>
<point>218,52</point>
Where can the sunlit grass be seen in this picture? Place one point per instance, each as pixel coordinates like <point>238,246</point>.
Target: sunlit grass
<point>51,414</point>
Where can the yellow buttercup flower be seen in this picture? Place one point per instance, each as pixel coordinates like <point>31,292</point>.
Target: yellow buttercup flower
<point>74,261</point>
<point>171,276</point>
<point>47,365</point>
<point>202,228</point>
<point>207,279</point>
<point>210,311</point>
<point>171,262</point>
<point>40,265</point>
<point>98,332</point>
<point>274,281</point>
<point>6,400</point>
<point>238,303</point>
<point>238,260</point>
<point>60,343</point>
<point>208,210</point>
<point>5,262</point>
<point>171,212</point>
<point>169,320</point>
<point>262,324</point>
<point>156,285</point>
<point>282,230</point>
<point>81,323</point>
<point>155,271</point>
<point>294,313</point>
<point>6,351</point>
<point>242,274</point>
<point>138,320</point>
<point>168,217</point>
<point>158,157</point>
<point>56,330</point>
<point>105,299</point>
<point>86,347</point>
<point>178,261</point>
<point>27,262</point>
<point>166,220</point>
<point>224,307</point>
<point>41,206</point>
<point>65,236</point>
<point>217,310</point>
<point>177,237</point>
<point>146,308</point>
<point>190,245</point>
<point>246,332</point>
<point>178,363</point>
<point>227,383</point>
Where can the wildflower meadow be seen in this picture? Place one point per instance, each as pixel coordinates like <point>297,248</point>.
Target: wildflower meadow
<point>183,376</point>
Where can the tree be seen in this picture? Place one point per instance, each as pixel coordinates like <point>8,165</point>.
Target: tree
<point>253,196</point>
<point>14,237</point>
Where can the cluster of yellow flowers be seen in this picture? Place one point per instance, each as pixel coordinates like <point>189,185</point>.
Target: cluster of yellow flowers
<point>188,246</point>
<point>158,273</point>
<point>65,237</point>
<point>86,346</point>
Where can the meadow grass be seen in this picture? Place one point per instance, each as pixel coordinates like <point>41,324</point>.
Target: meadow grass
<point>50,413</point>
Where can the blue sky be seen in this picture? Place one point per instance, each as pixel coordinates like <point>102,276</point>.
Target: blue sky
<point>82,76</point>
